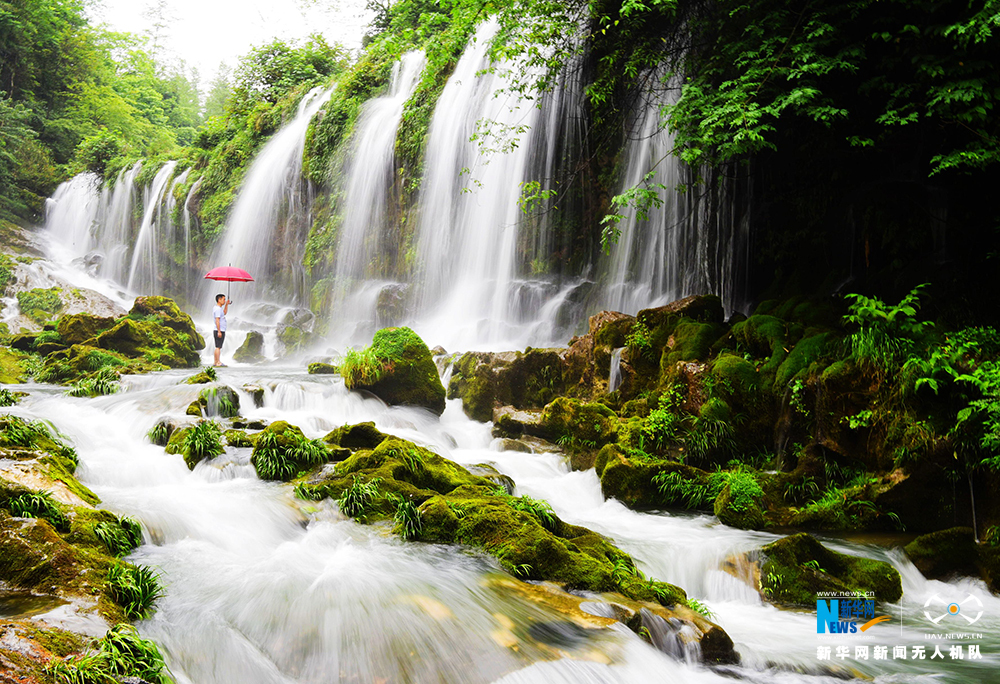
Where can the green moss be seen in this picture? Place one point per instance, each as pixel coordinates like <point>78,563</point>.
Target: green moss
<point>61,469</point>
<point>692,341</point>
<point>318,368</point>
<point>40,305</point>
<point>252,349</point>
<point>797,567</point>
<point>809,349</point>
<point>240,439</point>
<point>12,368</point>
<point>281,452</point>
<point>943,553</point>
<point>81,327</point>
<point>354,437</point>
<point>763,337</point>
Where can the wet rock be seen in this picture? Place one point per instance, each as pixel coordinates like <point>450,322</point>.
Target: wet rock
<point>795,568</point>
<point>524,380</point>
<point>489,472</point>
<point>398,369</point>
<point>507,444</point>
<point>511,422</point>
<point>390,307</point>
<point>294,339</point>
<point>218,402</point>
<point>439,351</point>
<point>203,377</point>
<point>588,425</point>
<point>319,368</point>
<point>281,452</point>
<point>303,319</point>
<point>741,503</point>
<point>243,424</point>
<point>252,349</point>
<point>239,439</point>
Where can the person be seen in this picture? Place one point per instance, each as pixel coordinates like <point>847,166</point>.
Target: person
<point>219,330</point>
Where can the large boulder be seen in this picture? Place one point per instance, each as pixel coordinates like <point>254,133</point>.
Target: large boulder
<point>795,568</point>
<point>78,328</point>
<point>166,312</point>
<point>252,349</point>
<point>397,368</point>
<point>524,380</point>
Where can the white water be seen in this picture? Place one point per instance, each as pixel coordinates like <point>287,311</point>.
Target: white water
<point>272,201</point>
<point>261,587</point>
<point>142,276</point>
<point>615,373</point>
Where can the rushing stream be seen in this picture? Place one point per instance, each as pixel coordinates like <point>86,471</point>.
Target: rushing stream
<point>262,587</point>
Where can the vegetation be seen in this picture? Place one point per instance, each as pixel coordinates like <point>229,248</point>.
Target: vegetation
<point>202,441</point>
<point>39,505</point>
<point>120,537</point>
<point>135,588</point>
<point>120,653</point>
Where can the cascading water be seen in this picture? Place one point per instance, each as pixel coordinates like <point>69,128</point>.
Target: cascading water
<point>615,374</point>
<point>271,208</point>
<point>142,275</point>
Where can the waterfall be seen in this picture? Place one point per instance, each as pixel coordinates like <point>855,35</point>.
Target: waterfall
<point>142,275</point>
<point>371,171</point>
<point>694,243</point>
<point>468,233</point>
<point>114,234</point>
<point>186,214</point>
<point>270,202</point>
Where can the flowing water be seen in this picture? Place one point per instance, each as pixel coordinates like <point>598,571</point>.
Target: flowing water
<point>262,587</point>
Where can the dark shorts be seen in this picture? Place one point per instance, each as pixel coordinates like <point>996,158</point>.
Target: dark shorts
<point>220,337</point>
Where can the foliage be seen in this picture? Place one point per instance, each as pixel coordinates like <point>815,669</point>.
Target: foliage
<point>121,653</point>
<point>357,498</point>
<point>135,588</point>
<point>7,398</point>
<point>102,383</point>
<point>204,440</point>
<point>700,608</point>
<point>39,505</point>
<point>159,434</point>
<point>885,335</point>
<point>269,460</point>
<point>406,517</point>
<point>120,537</point>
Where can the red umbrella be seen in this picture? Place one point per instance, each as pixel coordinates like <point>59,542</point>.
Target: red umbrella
<point>229,274</point>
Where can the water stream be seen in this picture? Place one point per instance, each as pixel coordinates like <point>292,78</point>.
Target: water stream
<point>261,587</point>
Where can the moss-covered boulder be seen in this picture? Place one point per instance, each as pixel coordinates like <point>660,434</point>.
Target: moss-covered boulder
<point>320,368</point>
<point>12,368</point>
<point>252,349</point>
<point>524,380</point>
<point>795,568</point>
<point>40,305</point>
<point>203,377</point>
<point>219,401</point>
<point>354,437</point>
<point>165,311</point>
<point>78,328</point>
<point>944,553</point>
<point>397,368</point>
<point>571,420</point>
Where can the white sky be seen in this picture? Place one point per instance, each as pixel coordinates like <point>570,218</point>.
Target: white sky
<point>206,32</point>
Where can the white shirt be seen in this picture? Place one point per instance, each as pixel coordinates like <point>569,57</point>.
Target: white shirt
<point>220,313</point>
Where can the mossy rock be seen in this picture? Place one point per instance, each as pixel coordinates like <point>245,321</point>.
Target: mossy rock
<point>591,425</point>
<point>808,350</point>
<point>78,328</point>
<point>281,452</point>
<point>252,349</point>
<point>319,368</point>
<point>12,369</point>
<point>944,553</point>
<point>166,312</point>
<point>405,374</point>
<point>799,567</point>
<point>175,445</point>
<point>741,503</point>
<point>203,377</point>
<point>631,481</point>
<point>294,339</point>
<point>354,437</point>
<point>689,341</point>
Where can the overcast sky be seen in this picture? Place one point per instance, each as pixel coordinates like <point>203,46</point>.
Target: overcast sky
<point>206,32</point>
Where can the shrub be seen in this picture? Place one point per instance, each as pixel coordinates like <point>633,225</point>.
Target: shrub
<point>203,441</point>
<point>120,537</point>
<point>135,588</point>
<point>359,496</point>
<point>39,505</point>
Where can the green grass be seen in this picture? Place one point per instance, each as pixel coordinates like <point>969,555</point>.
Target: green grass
<point>39,505</point>
<point>121,653</point>
<point>102,383</point>
<point>120,537</point>
<point>359,496</point>
<point>204,440</point>
<point>135,588</point>
<point>700,608</point>
<point>269,461</point>
<point>40,305</point>
<point>7,398</point>
<point>159,434</point>
<point>407,518</point>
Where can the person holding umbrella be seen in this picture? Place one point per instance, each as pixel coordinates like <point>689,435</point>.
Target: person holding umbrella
<point>222,302</point>
<point>219,319</point>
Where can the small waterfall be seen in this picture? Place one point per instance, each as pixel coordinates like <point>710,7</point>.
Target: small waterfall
<point>114,236</point>
<point>143,274</point>
<point>71,214</point>
<point>271,203</point>
<point>615,374</point>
